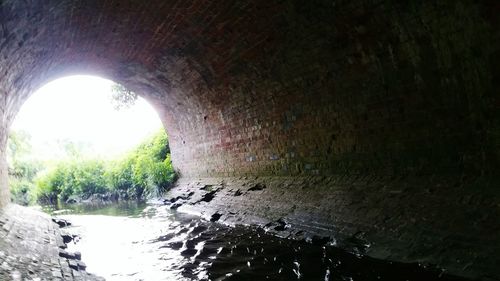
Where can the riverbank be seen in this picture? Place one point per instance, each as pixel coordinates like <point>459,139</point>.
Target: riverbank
<point>32,248</point>
<point>130,242</point>
<point>368,216</point>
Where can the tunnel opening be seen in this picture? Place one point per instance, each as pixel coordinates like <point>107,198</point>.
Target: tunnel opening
<point>372,121</point>
<point>84,139</point>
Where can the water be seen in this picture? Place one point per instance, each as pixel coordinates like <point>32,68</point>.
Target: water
<point>135,241</point>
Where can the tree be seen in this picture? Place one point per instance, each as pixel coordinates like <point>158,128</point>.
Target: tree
<point>122,97</point>
<point>18,145</point>
<point>144,172</point>
<point>22,168</point>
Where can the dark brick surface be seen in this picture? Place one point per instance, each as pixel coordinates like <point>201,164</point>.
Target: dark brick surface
<point>29,248</point>
<point>438,221</point>
<point>364,88</point>
<point>281,87</point>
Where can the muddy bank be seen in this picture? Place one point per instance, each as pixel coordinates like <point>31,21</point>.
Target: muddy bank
<point>417,220</point>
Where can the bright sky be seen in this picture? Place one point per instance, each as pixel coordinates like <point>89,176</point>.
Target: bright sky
<point>79,108</point>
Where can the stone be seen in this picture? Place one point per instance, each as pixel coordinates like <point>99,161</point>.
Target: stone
<point>67,237</point>
<point>258,186</point>
<point>65,254</point>
<point>57,274</point>
<point>175,245</point>
<point>375,95</point>
<point>73,264</point>
<point>215,217</point>
<point>175,206</point>
<point>36,254</point>
<point>81,265</point>
<point>61,222</point>
<point>326,214</point>
<point>78,255</point>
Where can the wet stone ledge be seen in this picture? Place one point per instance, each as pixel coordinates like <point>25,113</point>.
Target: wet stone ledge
<point>441,222</point>
<point>32,248</point>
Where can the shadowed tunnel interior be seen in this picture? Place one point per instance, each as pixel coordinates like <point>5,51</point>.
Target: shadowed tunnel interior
<point>379,119</point>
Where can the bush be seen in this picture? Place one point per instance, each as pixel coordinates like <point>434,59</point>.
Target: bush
<point>21,175</point>
<point>21,191</point>
<point>144,172</point>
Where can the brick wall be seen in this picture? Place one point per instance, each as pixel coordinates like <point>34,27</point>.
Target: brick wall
<point>4,190</point>
<point>282,87</point>
<point>360,87</point>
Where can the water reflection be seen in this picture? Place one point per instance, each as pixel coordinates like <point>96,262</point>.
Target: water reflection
<point>154,243</point>
<point>121,208</point>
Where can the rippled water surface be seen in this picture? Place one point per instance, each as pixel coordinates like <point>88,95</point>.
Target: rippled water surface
<point>131,241</point>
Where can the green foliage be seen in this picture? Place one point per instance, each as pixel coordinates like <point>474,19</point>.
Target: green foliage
<point>144,172</point>
<point>22,170</point>
<point>21,191</point>
<point>50,184</point>
<point>18,145</point>
<point>68,178</point>
<point>120,174</point>
<point>21,176</point>
<point>122,97</point>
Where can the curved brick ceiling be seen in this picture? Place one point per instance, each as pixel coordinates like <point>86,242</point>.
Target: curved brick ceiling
<point>279,87</point>
<point>390,99</point>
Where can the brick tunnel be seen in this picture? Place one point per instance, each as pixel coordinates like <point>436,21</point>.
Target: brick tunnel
<point>377,120</point>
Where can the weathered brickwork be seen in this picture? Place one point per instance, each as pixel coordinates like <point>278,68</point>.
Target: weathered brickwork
<point>4,190</point>
<point>355,92</point>
<point>32,248</point>
<point>403,90</point>
<point>282,88</point>
<point>443,221</point>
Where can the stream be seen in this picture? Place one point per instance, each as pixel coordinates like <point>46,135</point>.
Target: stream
<point>137,241</point>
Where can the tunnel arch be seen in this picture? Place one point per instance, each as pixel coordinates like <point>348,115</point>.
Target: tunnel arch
<point>274,88</point>
<point>210,61</point>
<point>48,42</point>
<point>84,99</point>
<point>373,96</point>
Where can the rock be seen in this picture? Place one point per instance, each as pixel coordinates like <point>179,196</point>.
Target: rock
<point>57,274</point>
<point>207,187</point>
<point>279,225</point>
<point>320,241</point>
<point>207,197</point>
<point>67,237</point>
<point>78,256</point>
<point>81,265</point>
<point>60,243</point>
<point>215,217</point>
<point>191,243</point>
<point>189,252</point>
<point>163,238</point>
<point>198,229</point>
<point>175,206</point>
<point>175,245</point>
<point>73,264</point>
<point>61,222</point>
<point>259,186</point>
<point>67,255</point>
